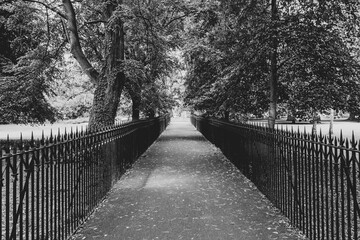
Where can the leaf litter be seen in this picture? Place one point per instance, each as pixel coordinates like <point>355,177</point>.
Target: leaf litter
<point>186,189</point>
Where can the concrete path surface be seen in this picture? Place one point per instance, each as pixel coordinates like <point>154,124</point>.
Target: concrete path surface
<point>183,187</point>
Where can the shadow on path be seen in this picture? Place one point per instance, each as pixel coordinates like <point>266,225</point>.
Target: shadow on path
<point>182,187</point>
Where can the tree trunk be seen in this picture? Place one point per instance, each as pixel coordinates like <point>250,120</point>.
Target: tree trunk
<point>110,82</point>
<point>331,131</point>
<point>134,90</point>
<point>151,113</point>
<point>110,85</point>
<point>106,101</point>
<point>314,127</point>
<point>352,116</point>
<point>136,101</point>
<point>135,109</point>
<point>226,115</point>
<point>273,76</point>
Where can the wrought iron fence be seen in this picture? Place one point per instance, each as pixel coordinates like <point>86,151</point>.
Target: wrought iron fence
<point>313,180</point>
<point>50,186</point>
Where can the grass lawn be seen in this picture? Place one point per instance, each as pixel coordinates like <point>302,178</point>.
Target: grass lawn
<point>14,130</point>
<point>347,127</point>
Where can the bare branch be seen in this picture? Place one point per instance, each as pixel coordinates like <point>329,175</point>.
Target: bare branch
<point>175,19</point>
<point>95,22</point>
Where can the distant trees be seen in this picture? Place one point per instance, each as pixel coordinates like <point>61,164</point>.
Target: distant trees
<point>154,30</point>
<point>299,53</point>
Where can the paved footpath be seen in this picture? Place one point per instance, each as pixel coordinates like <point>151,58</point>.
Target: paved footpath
<point>182,187</point>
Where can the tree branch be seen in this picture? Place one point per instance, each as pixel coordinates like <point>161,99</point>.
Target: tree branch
<point>175,19</point>
<point>55,10</point>
<point>75,47</point>
<point>95,22</point>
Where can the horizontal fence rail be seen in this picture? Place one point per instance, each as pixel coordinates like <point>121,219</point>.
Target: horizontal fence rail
<point>313,180</point>
<point>50,186</point>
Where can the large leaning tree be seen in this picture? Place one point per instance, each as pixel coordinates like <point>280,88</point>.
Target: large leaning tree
<point>119,44</point>
<point>92,31</point>
<point>109,78</point>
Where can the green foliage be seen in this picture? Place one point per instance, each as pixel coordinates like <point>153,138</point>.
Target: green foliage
<point>230,48</point>
<point>157,98</point>
<point>72,91</point>
<point>224,73</point>
<point>227,50</point>
<point>25,90</point>
<point>317,70</point>
<point>27,65</point>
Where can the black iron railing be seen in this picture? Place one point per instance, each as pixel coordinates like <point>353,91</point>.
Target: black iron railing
<point>49,186</point>
<point>313,180</point>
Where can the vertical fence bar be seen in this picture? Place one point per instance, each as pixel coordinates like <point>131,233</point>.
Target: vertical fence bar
<point>78,179</point>
<point>56,186</point>
<point>7,194</point>
<point>300,182</point>
<point>22,189</point>
<point>74,155</point>
<point>60,190</point>
<point>37,194</point>
<point>355,170</point>
<point>337,194</point>
<point>290,181</point>
<point>14,177</point>
<point>1,192</point>
<point>308,185</point>
<point>42,183</point>
<point>296,180</point>
<point>348,191</point>
<point>67,156</point>
<point>342,187</point>
<point>322,189</point>
<point>332,154</point>
<point>2,182</point>
<point>313,187</point>
<point>33,164</point>
<point>63,185</point>
<point>52,153</point>
<point>21,185</point>
<point>327,186</point>
<point>317,188</point>
<point>46,186</point>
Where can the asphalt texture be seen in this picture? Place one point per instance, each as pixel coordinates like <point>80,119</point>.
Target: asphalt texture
<point>183,187</point>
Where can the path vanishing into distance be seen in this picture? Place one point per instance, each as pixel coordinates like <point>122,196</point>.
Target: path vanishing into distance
<point>183,187</point>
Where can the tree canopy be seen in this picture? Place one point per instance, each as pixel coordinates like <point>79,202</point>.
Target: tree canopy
<point>316,66</point>
<point>241,57</point>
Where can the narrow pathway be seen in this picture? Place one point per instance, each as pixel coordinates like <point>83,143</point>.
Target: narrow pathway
<point>184,188</point>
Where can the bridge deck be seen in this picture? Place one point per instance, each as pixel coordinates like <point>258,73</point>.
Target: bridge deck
<point>184,188</point>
